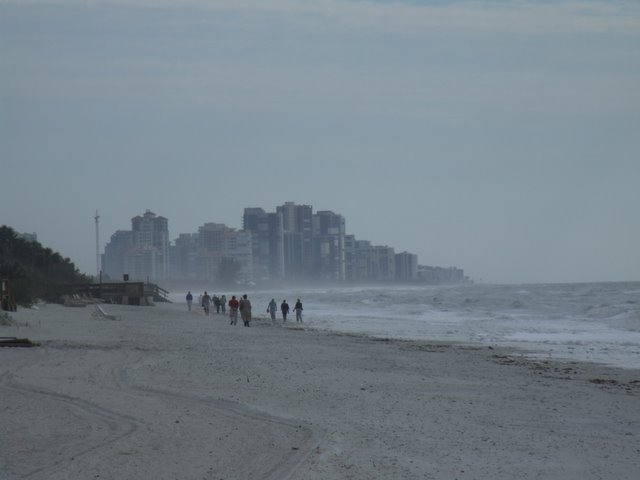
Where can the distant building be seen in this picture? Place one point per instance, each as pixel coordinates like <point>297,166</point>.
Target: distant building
<point>114,252</point>
<point>386,263</point>
<point>218,244</point>
<point>291,244</point>
<point>406,267</point>
<point>328,246</point>
<point>183,256</point>
<point>363,260</point>
<point>267,238</point>
<point>370,262</point>
<point>211,249</point>
<point>239,250</point>
<point>29,237</point>
<point>149,257</point>
<point>141,253</point>
<point>297,223</point>
<point>440,275</point>
<point>350,257</point>
<point>208,254</point>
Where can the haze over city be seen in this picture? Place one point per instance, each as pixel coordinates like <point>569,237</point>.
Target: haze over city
<point>498,137</point>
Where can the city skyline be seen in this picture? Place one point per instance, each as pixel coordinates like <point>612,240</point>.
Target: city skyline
<point>291,243</point>
<point>498,136</point>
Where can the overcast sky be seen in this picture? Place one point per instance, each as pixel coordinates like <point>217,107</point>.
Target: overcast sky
<point>499,137</point>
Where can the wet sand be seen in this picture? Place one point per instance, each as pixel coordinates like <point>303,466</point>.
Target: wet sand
<point>164,393</point>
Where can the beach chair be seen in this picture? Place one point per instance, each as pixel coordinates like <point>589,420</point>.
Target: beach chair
<point>99,313</point>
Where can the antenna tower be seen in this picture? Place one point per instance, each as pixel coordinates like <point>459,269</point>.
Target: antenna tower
<point>97,217</point>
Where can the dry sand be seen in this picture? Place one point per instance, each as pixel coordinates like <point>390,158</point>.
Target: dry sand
<point>168,394</point>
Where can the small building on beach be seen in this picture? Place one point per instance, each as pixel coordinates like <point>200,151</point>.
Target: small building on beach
<point>124,293</point>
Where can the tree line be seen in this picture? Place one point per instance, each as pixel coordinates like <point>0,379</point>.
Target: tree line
<point>33,270</point>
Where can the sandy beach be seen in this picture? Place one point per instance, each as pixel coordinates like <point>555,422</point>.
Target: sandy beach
<point>163,393</point>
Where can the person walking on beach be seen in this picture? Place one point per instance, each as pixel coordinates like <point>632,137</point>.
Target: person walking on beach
<point>245,310</point>
<point>233,310</point>
<point>284,308</point>
<point>206,302</point>
<point>298,309</point>
<point>273,306</point>
<point>189,300</point>
<point>223,303</point>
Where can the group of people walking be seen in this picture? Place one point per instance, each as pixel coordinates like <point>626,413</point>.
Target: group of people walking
<point>284,309</point>
<point>206,301</point>
<point>243,306</point>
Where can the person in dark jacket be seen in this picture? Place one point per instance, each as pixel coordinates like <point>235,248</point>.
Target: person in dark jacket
<point>206,302</point>
<point>284,308</point>
<point>298,309</point>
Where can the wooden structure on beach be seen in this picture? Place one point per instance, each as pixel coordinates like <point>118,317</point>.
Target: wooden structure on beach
<point>156,292</point>
<point>7,299</point>
<point>125,293</point>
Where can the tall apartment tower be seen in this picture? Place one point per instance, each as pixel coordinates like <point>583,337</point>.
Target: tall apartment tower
<point>217,244</point>
<point>406,267</point>
<point>297,221</point>
<point>350,257</point>
<point>183,257</point>
<point>386,259</point>
<point>115,250</point>
<point>267,240</point>
<point>364,260</point>
<point>150,256</point>
<point>329,245</point>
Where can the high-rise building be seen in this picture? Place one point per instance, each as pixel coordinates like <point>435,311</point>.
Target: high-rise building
<point>141,253</point>
<point>215,253</point>
<point>184,256</point>
<point>373,262</point>
<point>328,245</point>
<point>386,259</point>
<point>297,223</point>
<point>350,257</point>
<point>406,267</point>
<point>114,251</point>
<point>267,239</point>
<point>239,250</point>
<point>292,243</point>
<point>150,230</point>
<point>364,260</point>
<point>149,257</point>
<point>219,247</point>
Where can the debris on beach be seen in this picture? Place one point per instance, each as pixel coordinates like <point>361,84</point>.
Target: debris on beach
<point>76,300</point>
<point>17,342</point>
<point>6,320</point>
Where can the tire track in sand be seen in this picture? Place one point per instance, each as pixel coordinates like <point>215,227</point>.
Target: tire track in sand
<point>283,469</point>
<point>118,425</point>
<point>282,464</point>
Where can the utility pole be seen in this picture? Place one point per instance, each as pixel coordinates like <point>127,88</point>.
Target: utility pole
<point>97,246</point>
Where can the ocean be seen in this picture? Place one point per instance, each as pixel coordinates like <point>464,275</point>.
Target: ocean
<point>594,322</point>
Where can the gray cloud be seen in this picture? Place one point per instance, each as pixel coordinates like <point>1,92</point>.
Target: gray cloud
<point>498,137</point>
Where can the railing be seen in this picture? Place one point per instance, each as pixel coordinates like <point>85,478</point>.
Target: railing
<point>158,293</point>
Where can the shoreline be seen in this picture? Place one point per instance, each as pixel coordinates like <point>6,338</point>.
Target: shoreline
<point>165,393</point>
<point>593,323</point>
